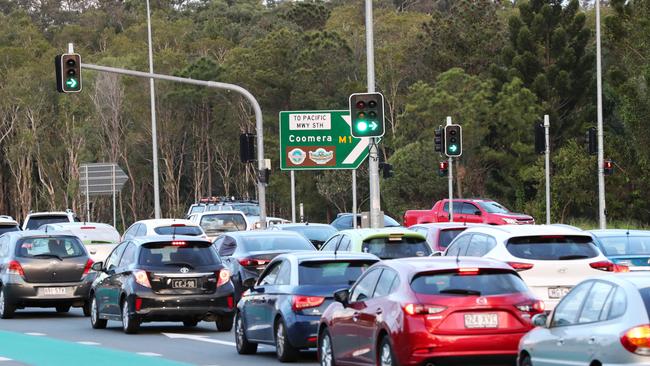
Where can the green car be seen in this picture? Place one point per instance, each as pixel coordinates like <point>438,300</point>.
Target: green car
<point>386,243</point>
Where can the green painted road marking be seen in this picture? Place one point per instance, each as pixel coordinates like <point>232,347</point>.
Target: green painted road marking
<point>43,351</point>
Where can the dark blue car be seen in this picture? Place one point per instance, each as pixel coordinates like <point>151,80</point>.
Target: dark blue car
<point>625,247</point>
<point>284,306</point>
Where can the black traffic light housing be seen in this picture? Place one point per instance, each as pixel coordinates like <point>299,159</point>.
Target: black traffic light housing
<point>591,139</point>
<point>453,140</point>
<point>443,168</point>
<point>387,170</point>
<point>247,147</point>
<point>367,114</point>
<point>608,167</point>
<point>438,140</point>
<point>540,138</point>
<point>68,73</point>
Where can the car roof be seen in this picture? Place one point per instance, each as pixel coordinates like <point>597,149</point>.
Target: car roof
<point>619,232</point>
<point>48,213</point>
<point>244,234</point>
<point>527,230</point>
<point>422,264</point>
<point>447,225</point>
<point>4,219</point>
<point>310,255</point>
<point>159,238</point>
<point>365,233</point>
<point>299,224</point>
<point>35,233</point>
<point>637,279</point>
<point>81,224</point>
<point>162,222</point>
<point>220,212</point>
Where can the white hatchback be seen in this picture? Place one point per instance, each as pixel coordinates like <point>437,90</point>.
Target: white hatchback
<point>163,227</point>
<point>550,259</point>
<point>99,239</point>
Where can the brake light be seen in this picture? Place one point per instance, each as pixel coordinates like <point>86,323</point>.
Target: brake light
<point>142,278</point>
<point>467,271</point>
<point>223,277</point>
<point>608,266</point>
<point>533,307</point>
<point>138,304</point>
<point>518,266</point>
<point>417,309</point>
<point>300,302</point>
<point>178,225</point>
<point>14,267</point>
<point>179,243</point>
<point>637,340</point>
<point>89,264</point>
<point>248,262</point>
<point>87,227</point>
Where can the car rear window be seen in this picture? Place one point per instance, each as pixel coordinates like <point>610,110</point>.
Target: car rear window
<point>447,236</point>
<point>481,283</point>
<point>178,230</point>
<point>35,222</point>
<point>328,273</point>
<point>391,247</point>
<point>225,222</point>
<point>50,247</point>
<point>8,228</point>
<point>552,247</point>
<point>318,233</point>
<point>261,243</point>
<point>626,245</point>
<point>178,253</point>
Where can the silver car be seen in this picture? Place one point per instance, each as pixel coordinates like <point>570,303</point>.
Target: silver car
<point>602,321</point>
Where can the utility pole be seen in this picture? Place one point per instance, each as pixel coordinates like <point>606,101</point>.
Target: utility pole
<point>450,180</point>
<point>547,152</point>
<point>154,133</point>
<point>599,90</point>
<point>376,218</point>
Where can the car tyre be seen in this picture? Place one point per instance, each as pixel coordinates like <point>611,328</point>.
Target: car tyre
<point>130,323</point>
<point>225,322</point>
<point>386,356</point>
<point>244,347</point>
<point>525,361</point>
<point>95,321</point>
<point>6,309</point>
<point>190,323</point>
<point>63,308</point>
<point>283,348</point>
<point>325,349</point>
<point>86,308</point>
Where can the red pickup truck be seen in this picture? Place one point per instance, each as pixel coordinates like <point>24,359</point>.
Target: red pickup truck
<point>467,210</point>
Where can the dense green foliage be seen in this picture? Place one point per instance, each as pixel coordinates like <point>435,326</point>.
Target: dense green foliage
<point>496,67</point>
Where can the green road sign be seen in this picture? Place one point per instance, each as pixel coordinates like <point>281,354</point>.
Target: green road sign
<point>318,140</point>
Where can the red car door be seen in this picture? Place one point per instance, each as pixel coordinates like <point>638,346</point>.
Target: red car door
<point>471,213</point>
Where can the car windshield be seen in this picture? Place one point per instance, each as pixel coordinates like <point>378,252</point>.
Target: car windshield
<point>248,209</point>
<point>222,222</point>
<point>196,209</point>
<point>261,243</point>
<point>178,253</point>
<point>8,228</point>
<point>317,233</point>
<point>626,245</point>
<point>493,207</point>
<point>645,295</point>
<point>391,247</point>
<point>328,273</point>
<point>477,283</point>
<point>50,247</point>
<point>178,230</point>
<point>35,222</point>
<point>552,247</point>
<point>447,235</point>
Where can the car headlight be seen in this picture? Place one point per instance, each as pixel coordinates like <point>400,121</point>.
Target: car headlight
<point>509,221</point>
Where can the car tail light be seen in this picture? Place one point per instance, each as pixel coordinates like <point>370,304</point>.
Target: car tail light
<point>179,243</point>
<point>249,262</point>
<point>223,277</point>
<point>14,267</point>
<point>138,304</point>
<point>608,266</point>
<point>87,228</point>
<point>142,278</point>
<point>231,302</point>
<point>533,307</point>
<point>89,264</point>
<point>178,225</point>
<point>637,340</point>
<point>468,271</point>
<point>518,266</point>
<point>418,309</point>
<point>300,302</point>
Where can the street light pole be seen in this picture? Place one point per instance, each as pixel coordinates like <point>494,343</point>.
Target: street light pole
<point>154,134</point>
<point>599,91</point>
<point>376,220</point>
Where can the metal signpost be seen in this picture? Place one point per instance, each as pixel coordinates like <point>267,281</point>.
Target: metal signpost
<point>101,179</point>
<point>547,159</point>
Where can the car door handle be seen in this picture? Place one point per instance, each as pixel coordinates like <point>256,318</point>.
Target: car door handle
<point>592,340</point>
<point>355,316</point>
<point>378,311</point>
<point>560,342</point>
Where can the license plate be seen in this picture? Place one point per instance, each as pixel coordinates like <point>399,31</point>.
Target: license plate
<point>53,291</point>
<point>184,283</point>
<point>474,321</point>
<point>558,292</point>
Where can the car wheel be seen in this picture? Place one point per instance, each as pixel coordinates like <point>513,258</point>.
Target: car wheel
<point>244,347</point>
<point>283,349</point>
<point>63,308</point>
<point>6,309</point>
<point>190,323</point>
<point>224,323</point>
<point>95,321</point>
<point>325,350</point>
<point>525,361</point>
<point>130,324</point>
<point>386,356</point>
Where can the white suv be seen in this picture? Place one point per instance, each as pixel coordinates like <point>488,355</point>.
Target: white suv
<point>7,224</point>
<point>214,223</point>
<point>163,227</point>
<point>34,220</point>
<point>550,259</point>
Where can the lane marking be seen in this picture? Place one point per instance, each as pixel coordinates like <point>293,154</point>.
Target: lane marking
<point>5,359</point>
<point>88,343</point>
<point>150,354</point>
<point>199,338</point>
<point>36,334</point>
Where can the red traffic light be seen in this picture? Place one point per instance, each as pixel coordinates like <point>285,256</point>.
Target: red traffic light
<point>361,104</point>
<point>608,167</point>
<point>443,165</point>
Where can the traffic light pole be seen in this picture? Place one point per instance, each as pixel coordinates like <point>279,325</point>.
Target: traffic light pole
<point>376,219</point>
<point>261,187</point>
<point>450,180</point>
<point>599,86</point>
<point>547,125</point>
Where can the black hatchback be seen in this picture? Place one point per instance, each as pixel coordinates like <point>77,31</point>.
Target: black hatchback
<point>41,270</point>
<point>162,278</point>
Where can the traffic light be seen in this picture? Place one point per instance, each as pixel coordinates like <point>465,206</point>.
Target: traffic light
<point>439,141</point>
<point>247,147</point>
<point>540,139</point>
<point>443,168</point>
<point>367,114</point>
<point>68,72</point>
<point>453,140</point>
<point>387,170</point>
<point>608,167</point>
<point>592,141</point>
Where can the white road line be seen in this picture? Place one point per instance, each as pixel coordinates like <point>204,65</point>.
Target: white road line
<point>36,334</point>
<point>150,354</point>
<point>87,343</point>
<point>4,359</point>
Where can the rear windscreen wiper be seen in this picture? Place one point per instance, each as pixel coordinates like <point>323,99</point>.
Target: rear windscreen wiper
<point>460,291</point>
<point>573,256</point>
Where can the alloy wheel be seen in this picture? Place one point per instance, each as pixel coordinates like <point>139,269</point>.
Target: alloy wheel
<point>93,311</point>
<point>279,339</point>
<point>386,355</point>
<point>125,315</point>
<point>239,331</point>
<point>326,351</point>
<point>2,301</point>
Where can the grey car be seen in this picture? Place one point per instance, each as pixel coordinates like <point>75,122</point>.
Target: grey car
<point>41,270</point>
<point>601,321</point>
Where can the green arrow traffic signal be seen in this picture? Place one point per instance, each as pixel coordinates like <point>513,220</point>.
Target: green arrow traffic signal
<point>72,83</point>
<point>452,148</point>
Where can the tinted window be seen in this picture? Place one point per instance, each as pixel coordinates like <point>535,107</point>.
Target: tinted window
<point>385,283</point>
<point>624,245</point>
<point>595,303</point>
<point>566,312</point>
<point>396,247</point>
<point>317,233</point>
<point>114,258</point>
<point>284,276</point>
<point>219,223</point>
<point>327,273</point>
<point>364,289</point>
<point>188,254</point>
<point>552,247</point>
<point>62,247</point>
<point>458,206</point>
<point>128,257</point>
<point>645,295</point>
<point>8,228</point>
<point>493,207</point>
<point>480,284</point>
<point>447,236</point>
<point>35,222</point>
<point>271,275</point>
<point>469,209</point>
<point>178,230</point>
<point>275,242</point>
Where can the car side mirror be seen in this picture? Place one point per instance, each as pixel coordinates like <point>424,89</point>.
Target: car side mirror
<point>342,296</point>
<point>249,282</point>
<point>436,254</point>
<point>540,320</point>
<point>97,266</point>
<point>477,213</point>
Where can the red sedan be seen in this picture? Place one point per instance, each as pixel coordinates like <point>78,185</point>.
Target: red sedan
<point>419,311</point>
